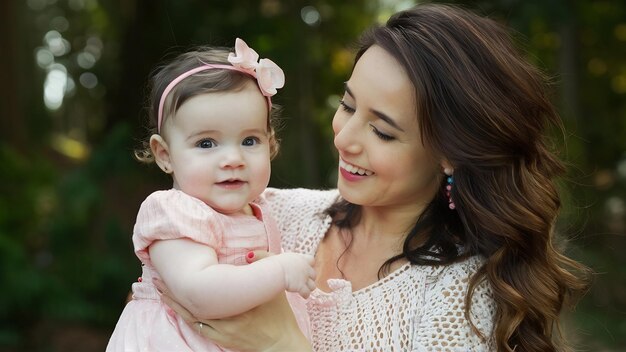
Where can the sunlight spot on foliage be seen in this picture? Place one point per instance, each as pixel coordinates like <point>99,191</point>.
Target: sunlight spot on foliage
<point>70,87</point>
<point>37,4</point>
<point>58,45</point>
<point>342,61</point>
<point>604,179</point>
<point>78,5</point>
<point>45,203</point>
<point>44,57</point>
<point>88,80</point>
<point>615,205</point>
<point>549,40</point>
<point>384,15</point>
<point>389,7</point>
<point>616,214</point>
<point>55,86</point>
<point>270,8</point>
<point>70,147</point>
<point>310,15</point>
<point>94,47</point>
<point>618,83</point>
<point>596,66</point>
<point>620,31</point>
<point>621,167</point>
<point>60,24</point>
<point>333,101</point>
<point>85,60</point>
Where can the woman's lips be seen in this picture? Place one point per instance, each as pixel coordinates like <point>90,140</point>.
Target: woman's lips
<point>350,176</point>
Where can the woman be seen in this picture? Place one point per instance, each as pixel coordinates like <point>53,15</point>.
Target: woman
<point>440,233</point>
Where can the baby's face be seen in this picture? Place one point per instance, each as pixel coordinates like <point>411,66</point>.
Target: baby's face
<point>219,148</point>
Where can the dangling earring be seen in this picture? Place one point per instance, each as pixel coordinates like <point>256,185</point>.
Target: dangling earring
<point>449,183</point>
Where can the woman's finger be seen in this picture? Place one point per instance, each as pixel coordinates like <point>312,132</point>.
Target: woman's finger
<point>206,329</point>
<point>160,286</point>
<point>180,310</point>
<point>267,325</point>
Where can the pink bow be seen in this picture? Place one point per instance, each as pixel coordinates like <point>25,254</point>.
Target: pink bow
<point>269,76</point>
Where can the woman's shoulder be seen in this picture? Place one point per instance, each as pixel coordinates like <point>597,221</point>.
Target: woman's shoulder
<point>460,271</point>
<point>445,300</point>
<point>455,279</point>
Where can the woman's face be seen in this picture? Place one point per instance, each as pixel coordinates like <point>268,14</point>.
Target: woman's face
<point>382,161</point>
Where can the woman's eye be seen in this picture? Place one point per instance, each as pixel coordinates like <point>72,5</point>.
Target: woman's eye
<point>382,136</point>
<point>250,141</point>
<point>206,143</point>
<point>346,107</point>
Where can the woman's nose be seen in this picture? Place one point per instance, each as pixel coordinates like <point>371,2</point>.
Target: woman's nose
<point>346,138</point>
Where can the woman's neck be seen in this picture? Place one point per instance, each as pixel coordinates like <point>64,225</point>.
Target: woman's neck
<point>357,254</point>
<point>387,222</point>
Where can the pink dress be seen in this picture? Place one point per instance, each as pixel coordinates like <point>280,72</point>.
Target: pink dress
<point>147,324</point>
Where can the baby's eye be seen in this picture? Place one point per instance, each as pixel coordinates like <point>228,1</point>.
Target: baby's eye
<point>206,143</point>
<point>250,141</point>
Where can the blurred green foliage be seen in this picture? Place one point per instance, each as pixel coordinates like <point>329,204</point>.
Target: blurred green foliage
<point>70,189</point>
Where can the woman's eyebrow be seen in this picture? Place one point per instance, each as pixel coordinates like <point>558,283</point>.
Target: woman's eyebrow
<point>379,114</point>
<point>387,119</point>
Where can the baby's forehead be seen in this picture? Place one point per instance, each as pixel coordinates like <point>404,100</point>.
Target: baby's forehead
<point>223,111</point>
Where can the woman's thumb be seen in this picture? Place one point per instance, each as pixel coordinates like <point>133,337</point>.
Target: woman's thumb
<point>253,256</point>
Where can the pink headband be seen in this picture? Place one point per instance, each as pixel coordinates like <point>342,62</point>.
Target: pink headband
<point>267,74</point>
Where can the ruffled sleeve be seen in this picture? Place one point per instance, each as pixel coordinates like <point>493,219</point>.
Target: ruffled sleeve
<point>172,214</point>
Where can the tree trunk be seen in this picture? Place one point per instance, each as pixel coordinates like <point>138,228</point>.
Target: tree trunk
<point>13,130</point>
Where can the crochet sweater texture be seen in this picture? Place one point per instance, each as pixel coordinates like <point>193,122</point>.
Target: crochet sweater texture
<point>414,308</point>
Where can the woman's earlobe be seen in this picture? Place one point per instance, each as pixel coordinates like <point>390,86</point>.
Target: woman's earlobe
<point>447,167</point>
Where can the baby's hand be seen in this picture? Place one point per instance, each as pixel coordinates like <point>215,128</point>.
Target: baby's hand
<point>299,272</point>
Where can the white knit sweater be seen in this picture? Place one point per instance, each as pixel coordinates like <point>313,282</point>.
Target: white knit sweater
<point>415,308</point>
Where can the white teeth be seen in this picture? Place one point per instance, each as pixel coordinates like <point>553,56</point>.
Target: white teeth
<point>354,170</point>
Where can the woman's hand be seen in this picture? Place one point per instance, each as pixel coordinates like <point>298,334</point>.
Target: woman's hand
<point>268,327</point>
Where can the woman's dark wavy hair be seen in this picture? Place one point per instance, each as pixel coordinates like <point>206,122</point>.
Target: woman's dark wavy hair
<point>485,109</point>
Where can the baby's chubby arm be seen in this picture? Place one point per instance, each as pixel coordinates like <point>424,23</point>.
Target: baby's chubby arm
<point>211,291</point>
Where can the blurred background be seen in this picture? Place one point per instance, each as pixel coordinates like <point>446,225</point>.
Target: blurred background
<point>73,78</point>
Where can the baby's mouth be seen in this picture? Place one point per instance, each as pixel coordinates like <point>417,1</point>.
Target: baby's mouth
<point>231,183</point>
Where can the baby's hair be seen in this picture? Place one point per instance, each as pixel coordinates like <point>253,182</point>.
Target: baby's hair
<point>208,81</point>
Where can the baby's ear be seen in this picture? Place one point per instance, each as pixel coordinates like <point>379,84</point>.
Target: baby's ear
<point>161,153</point>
